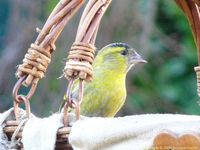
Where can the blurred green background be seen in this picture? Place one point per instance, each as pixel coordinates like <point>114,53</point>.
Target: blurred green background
<point>156,28</point>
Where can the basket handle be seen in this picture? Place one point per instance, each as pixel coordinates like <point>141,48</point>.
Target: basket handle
<point>81,55</point>
<point>191,9</point>
<point>38,56</point>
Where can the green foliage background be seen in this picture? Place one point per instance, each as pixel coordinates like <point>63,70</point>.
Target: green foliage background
<point>168,82</point>
<point>156,28</point>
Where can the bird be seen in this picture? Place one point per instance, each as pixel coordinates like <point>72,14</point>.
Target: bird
<point>106,94</point>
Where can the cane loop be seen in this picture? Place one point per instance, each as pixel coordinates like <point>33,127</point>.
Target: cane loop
<point>18,98</point>
<point>38,56</point>
<point>71,102</point>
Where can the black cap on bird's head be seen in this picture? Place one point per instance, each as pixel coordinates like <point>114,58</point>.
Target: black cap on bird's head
<point>120,55</point>
<point>129,51</point>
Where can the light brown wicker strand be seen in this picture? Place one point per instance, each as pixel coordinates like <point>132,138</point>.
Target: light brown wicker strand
<point>14,138</point>
<point>54,18</point>
<point>197,2</point>
<point>36,61</point>
<point>196,15</point>
<point>36,57</point>
<point>197,69</point>
<point>85,54</point>
<point>54,25</point>
<point>62,134</point>
<point>79,65</point>
<point>192,11</point>
<point>196,32</point>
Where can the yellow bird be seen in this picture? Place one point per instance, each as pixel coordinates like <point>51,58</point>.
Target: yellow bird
<point>106,94</point>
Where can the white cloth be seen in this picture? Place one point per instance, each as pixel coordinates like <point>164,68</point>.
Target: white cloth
<point>131,132</point>
<point>40,134</point>
<point>4,143</point>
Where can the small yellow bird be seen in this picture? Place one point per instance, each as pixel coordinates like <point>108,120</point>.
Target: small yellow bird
<point>106,94</point>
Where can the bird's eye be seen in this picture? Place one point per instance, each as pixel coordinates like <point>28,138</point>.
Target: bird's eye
<point>124,52</point>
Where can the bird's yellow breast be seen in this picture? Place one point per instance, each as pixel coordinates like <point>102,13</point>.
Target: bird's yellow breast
<point>104,96</point>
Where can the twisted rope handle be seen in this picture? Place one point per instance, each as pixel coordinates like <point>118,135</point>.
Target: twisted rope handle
<point>38,56</point>
<point>81,55</point>
<point>191,9</point>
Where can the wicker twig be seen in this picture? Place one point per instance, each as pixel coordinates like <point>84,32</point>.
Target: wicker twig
<point>86,34</point>
<point>81,55</point>
<point>84,42</point>
<point>54,25</point>
<point>36,61</point>
<point>62,134</point>
<point>191,9</point>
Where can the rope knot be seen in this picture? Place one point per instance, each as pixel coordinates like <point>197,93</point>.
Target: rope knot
<point>80,61</point>
<point>36,57</point>
<point>197,69</point>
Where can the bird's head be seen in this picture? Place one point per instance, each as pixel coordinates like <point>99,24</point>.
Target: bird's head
<point>118,57</point>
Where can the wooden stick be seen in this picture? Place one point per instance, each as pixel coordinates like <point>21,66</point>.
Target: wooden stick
<point>87,21</point>
<point>54,25</point>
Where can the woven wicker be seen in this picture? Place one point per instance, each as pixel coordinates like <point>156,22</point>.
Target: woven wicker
<point>54,26</point>
<point>62,135</point>
<point>38,57</point>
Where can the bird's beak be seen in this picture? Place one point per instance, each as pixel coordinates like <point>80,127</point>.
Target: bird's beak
<point>136,58</point>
